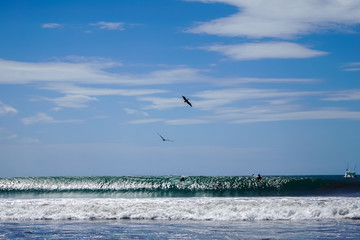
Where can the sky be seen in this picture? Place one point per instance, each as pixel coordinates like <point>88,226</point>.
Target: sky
<point>87,86</point>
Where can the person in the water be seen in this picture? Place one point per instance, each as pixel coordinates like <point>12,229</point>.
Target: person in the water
<point>259,178</point>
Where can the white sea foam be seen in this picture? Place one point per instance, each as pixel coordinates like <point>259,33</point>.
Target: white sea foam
<point>236,209</point>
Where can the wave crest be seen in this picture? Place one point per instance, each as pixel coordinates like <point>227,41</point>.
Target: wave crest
<point>177,186</point>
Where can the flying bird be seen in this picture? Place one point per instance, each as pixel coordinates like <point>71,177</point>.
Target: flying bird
<point>164,139</point>
<point>186,100</point>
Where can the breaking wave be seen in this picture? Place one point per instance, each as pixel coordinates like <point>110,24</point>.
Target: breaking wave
<point>177,186</point>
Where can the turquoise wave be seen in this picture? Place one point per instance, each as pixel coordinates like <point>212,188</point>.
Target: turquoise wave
<point>178,186</point>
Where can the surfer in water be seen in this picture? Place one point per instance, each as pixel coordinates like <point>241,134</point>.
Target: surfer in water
<point>259,178</point>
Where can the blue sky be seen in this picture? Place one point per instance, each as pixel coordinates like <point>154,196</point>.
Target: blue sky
<point>85,86</point>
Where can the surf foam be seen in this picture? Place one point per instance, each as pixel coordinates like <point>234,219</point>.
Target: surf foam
<point>227,209</point>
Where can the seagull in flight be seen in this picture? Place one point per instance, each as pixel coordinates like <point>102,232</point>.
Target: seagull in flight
<point>164,139</point>
<point>186,100</point>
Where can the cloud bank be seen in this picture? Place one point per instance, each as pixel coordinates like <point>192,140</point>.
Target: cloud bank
<point>281,19</point>
<point>265,20</point>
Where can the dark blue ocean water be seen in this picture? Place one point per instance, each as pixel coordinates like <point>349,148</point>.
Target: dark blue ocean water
<point>180,207</point>
<point>204,230</point>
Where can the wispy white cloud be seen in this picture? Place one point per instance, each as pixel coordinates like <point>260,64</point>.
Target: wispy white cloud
<point>77,97</point>
<point>245,80</point>
<point>346,95</point>
<point>7,110</point>
<point>30,140</point>
<point>162,103</point>
<point>271,113</point>
<point>44,118</point>
<point>268,113</point>
<point>258,114</point>
<point>51,25</point>
<point>65,76</point>
<point>92,91</point>
<point>281,18</point>
<point>27,72</point>
<point>12,136</point>
<point>6,135</point>
<point>171,76</point>
<point>14,72</point>
<point>146,121</point>
<point>253,51</point>
<point>100,117</point>
<point>71,101</point>
<point>352,67</point>
<point>109,25</point>
<point>320,114</point>
<point>134,111</point>
<point>101,62</point>
<point>230,95</point>
<point>38,118</point>
<point>186,121</point>
<point>220,99</point>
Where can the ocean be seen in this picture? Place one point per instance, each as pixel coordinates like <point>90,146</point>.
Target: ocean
<point>180,207</point>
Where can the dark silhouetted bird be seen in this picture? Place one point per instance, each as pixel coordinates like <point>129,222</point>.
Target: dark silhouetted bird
<point>164,139</point>
<point>186,100</point>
